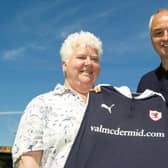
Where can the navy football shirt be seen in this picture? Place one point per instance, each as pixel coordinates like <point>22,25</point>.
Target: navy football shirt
<point>122,132</point>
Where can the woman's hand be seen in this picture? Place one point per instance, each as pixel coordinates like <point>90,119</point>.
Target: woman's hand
<point>96,89</point>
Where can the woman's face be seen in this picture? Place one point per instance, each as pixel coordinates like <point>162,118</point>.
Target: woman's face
<point>82,69</point>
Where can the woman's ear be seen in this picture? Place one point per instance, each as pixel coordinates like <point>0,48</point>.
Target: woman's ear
<point>64,66</point>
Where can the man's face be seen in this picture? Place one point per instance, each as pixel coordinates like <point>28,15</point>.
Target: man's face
<point>159,34</point>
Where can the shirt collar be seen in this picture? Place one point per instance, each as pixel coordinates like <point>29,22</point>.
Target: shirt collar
<point>125,90</point>
<point>161,72</point>
<point>60,89</point>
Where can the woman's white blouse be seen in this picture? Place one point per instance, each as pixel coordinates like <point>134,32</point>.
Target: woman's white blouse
<point>50,123</point>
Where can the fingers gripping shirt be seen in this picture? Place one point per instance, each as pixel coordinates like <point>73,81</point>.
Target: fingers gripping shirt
<point>50,123</point>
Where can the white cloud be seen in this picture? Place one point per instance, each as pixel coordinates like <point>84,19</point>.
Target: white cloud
<point>70,29</point>
<point>13,54</point>
<point>134,43</point>
<point>105,13</point>
<point>63,34</point>
<point>10,113</point>
<point>80,21</point>
<point>37,47</point>
<point>144,35</point>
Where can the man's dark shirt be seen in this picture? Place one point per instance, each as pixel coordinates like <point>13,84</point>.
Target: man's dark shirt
<point>156,80</point>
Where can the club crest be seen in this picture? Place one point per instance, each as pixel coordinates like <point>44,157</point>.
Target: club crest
<point>155,115</point>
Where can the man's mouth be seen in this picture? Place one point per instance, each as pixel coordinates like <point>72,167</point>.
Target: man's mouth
<point>165,45</point>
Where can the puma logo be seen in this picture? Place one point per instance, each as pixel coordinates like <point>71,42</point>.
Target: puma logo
<point>109,108</point>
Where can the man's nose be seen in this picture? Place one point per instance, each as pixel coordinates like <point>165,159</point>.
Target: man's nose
<point>166,35</point>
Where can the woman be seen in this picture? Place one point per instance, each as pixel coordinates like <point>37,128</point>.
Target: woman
<point>51,121</point>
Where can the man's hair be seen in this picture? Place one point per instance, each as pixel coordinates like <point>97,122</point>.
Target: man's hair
<point>151,18</point>
<point>78,38</point>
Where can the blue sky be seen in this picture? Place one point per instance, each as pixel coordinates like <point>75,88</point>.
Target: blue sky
<point>33,31</point>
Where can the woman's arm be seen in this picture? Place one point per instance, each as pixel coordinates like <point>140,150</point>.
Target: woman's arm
<point>30,159</point>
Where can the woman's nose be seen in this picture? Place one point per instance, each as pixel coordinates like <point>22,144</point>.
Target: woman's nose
<point>88,60</point>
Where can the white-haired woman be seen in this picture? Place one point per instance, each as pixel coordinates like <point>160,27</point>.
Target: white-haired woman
<point>51,121</point>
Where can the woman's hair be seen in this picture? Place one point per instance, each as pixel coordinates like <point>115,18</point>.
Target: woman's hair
<point>78,38</point>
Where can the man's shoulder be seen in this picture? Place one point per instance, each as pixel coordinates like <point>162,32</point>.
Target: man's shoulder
<point>150,75</point>
<point>148,81</point>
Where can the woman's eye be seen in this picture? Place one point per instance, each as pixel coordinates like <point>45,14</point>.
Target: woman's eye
<point>95,59</point>
<point>81,57</point>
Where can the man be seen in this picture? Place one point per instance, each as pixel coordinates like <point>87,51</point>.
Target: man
<point>157,79</point>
